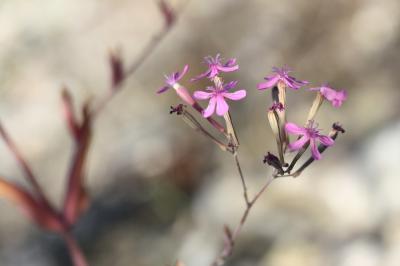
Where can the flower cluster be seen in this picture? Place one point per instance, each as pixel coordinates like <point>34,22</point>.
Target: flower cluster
<point>307,136</point>
<point>281,75</point>
<point>217,93</point>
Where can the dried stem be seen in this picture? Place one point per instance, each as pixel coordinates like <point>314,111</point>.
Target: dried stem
<point>228,249</point>
<point>76,253</point>
<point>144,54</point>
<point>231,130</point>
<point>193,123</point>
<point>75,189</point>
<point>234,143</point>
<point>24,166</point>
<point>280,140</point>
<point>239,168</point>
<point>297,157</point>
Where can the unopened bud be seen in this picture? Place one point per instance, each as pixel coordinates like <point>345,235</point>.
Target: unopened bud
<point>177,109</point>
<point>117,68</point>
<point>273,161</point>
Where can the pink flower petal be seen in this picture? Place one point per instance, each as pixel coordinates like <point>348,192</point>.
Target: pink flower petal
<point>269,83</point>
<point>237,95</point>
<point>298,144</point>
<point>291,84</point>
<point>299,82</point>
<point>336,103</point>
<point>292,128</point>
<point>230,62</point>
<point>328,93</point>
<point>228,68</point>
<point>222,106</point>
<point>205,74</point>
<point>327,141</point>
<point>210,108</point>
<point>213,71</point>
<point>230,85</point>
<point>342,95</point>
<point>314,150</point>
<point>184,71</point>
<point>163,89</point>
<point>202,95</point>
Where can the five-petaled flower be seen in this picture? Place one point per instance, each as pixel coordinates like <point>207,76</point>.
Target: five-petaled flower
<point>217,95</point>
<point>215,66</point>
<point>172,82</point>
<point>310,134</point>
<point>335,97</point>
<point>173,79</point>
<point>281,75</point>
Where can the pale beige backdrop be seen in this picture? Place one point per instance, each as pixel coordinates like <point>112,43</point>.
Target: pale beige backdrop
<point>162,192</point>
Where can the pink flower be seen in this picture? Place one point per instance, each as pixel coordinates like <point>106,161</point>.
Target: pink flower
<point>281,75</point>
<point>215,66</point>
<point>217,95</point>
<point>308,134</point>
<point>172,82</point>
<point>335,97</point>
<point>172,79</point>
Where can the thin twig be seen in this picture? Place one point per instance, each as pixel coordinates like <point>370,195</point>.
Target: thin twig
<point>297,157</point>
<point>75,188</point>
<point>193,123</point>
<point>227,251</point>
<point>75,251</point>
<point>25,166</point>
<point>234,142</point>
<point>150,47</point>
<point>239,168</point>
<point>280,139</point>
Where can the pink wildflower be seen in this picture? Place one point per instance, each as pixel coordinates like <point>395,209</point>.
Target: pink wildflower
<point>281,75</point>
<point>172,82</point>
<point>215,66</point>
<point>172,79</point>
<point>308,134</point>
<point>335,97</point>
<point>217,95</point>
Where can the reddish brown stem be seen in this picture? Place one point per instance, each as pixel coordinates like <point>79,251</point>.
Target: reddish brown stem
<point>75,191</point>
<point>76,253</point>
<point>25,167</point>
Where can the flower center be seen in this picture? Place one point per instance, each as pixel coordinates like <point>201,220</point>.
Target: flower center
<point>312,129</point>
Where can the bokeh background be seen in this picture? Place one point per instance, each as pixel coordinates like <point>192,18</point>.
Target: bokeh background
<point>159,190</point>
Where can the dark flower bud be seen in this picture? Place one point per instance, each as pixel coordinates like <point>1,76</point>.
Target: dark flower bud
<point>273,161</point>
<point>277,106</point>
<point>177,109</point>
<point>336,126</point>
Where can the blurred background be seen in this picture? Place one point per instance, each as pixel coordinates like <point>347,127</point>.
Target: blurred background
<point>159,190</point>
